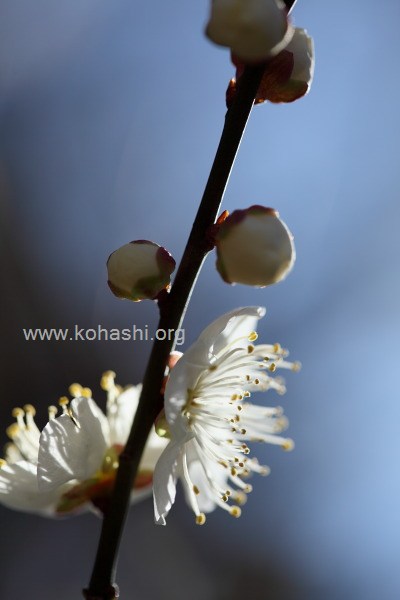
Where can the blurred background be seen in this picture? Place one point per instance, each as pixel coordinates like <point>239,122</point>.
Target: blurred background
<point>110,116</point>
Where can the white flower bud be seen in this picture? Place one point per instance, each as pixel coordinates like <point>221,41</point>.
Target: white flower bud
<point>139,270</point>
<point>254,247</point>
<point>302,47</point>
<point>289,75</point>
<point>253,29</point>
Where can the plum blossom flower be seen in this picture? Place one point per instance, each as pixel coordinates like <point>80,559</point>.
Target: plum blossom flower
<point>70,467</point>
<point>209,417</point>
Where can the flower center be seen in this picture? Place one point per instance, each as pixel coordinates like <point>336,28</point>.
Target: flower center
<point>98,488</point>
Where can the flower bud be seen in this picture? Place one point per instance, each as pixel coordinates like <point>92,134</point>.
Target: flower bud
<point>289,75</point>
<point>253,29</point>
<point>139,270</point>
<point>254,247</point>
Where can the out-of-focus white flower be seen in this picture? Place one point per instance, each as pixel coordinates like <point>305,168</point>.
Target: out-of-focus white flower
<point>287,76</point>
<point>253,29</point>
<point>254,247</point>
<point>139,270</point>
<point>302,48</point>
<point>210,418</point>
<point>71,466</point>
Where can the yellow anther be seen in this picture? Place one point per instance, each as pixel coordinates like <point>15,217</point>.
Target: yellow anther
<point>253,336</point>
<point>267,358</point>
<point>13,430</point>
<point>243,431</point>
<point>52,410</point>
<point>224,498</point>
<point>86,392</point>
<point>239,407</point>
<point>240,498</point>
<point>234,397</point>
<point>28,408</point>
<point>248,489</point>
<point>196,490</point>
<point>3,463</point>
<point>228,492</point>
<point>247,394</point>
<point>162,427</point>
<point>200,519</point>
<point>272,367</point>
<point>250,348</point>
<point>277,348</point>
<point>17,412</point>
<point>75,389</point>
<point>233,472</point>
<point>107,381</point>
<point>256,381</point>
<point>63,401</point>
<point>248,378</point>
<point>296,366</point>
<point>236,511</point>
<point>288,445</point>
<point>212,367</point>
<point>282,423</point>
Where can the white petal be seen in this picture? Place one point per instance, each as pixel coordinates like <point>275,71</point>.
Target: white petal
<point>70,452</point>
<point>164,482</point>
<point>154,448</point>
<point>231,325</point>
<point>217,473</point>
<point>120,413</point>
<point>19,489</point>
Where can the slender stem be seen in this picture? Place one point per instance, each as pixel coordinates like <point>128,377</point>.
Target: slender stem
<point>172,312</point>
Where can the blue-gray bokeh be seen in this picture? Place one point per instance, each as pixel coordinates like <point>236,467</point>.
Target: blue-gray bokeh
<point>110,116</point>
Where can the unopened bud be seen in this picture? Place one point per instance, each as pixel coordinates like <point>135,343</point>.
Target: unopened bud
<point>254,247</point>
<point>253,29</point>
<point>289,75</point>
<point>139,270</point>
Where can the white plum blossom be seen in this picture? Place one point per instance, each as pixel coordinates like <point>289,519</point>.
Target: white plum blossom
<point>70,467</point>
<point>253,29</point>
<point>254,247</point>
<point>209,417</point>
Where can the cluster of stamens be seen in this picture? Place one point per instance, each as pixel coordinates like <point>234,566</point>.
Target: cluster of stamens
<point>222,419</point>
<point>24,433</point>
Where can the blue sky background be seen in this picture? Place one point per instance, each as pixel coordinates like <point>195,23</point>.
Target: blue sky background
<point>110,116</point>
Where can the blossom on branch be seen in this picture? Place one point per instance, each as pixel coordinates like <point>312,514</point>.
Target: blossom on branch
<point>209,417</point>
<point>70,467</point>
<point>253,29</point>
